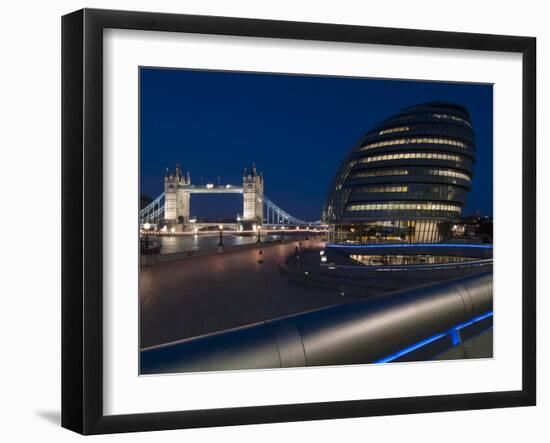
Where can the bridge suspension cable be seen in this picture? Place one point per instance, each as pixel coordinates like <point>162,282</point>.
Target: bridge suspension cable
<point>154,212</point>
<point>274,215</point>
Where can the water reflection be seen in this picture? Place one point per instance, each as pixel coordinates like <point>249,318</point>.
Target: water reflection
<point>184,243</point>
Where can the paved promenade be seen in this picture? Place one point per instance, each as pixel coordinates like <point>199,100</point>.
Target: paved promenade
<point>206,294</point>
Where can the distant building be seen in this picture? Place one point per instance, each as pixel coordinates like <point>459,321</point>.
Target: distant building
<point>406,180</point>
<point>474,226</point>
<point>177,197</point>
<point>178,190</point>
<point>253,194</point>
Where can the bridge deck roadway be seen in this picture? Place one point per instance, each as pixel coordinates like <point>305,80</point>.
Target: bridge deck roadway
<point>207,294</point>
<point>224,189</point>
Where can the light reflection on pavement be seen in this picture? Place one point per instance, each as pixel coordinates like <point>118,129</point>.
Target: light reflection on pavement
<point>192,297</point>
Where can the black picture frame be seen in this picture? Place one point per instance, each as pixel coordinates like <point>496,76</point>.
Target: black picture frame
<point>82,230</point>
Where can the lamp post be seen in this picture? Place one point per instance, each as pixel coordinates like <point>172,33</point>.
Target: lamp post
<point>258,228</point>
<point>220,243</point>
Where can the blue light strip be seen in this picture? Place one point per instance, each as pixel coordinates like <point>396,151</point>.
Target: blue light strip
<point>455,337</point>
<point>473,320</point>
<point>453,332</point>
<point>412,245</point>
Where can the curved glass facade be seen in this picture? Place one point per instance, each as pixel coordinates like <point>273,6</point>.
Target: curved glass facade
<point>406,180</point>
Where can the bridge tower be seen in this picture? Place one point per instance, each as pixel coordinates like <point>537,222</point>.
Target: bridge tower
<point>177,196</point>
<point>253,195</point>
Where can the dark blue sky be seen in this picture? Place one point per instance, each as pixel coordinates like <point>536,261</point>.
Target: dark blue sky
<point>298,129</point>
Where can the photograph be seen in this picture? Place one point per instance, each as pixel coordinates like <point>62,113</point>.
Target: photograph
<point>291,220</point>
<point>271,222</point>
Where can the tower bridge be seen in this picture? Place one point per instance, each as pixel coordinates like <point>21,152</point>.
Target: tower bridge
<point>173,205</point>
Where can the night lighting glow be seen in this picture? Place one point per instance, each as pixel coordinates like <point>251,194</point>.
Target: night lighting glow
<point>453,332</point>
<point>413,245</point>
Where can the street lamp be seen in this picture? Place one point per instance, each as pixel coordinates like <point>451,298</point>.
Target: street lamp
<point>258,228</point>
<point>220,244</point>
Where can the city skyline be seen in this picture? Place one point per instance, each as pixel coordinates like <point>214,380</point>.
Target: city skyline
<point>296,128</point>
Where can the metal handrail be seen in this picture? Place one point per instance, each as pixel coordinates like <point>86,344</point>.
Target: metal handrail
<point>352,333</point>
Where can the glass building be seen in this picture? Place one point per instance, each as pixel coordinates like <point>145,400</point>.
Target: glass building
<point>406,180</point>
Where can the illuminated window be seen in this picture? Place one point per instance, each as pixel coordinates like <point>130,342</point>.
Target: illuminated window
<point>410,155</point>
<point>400,260</point>
<point>366,189</point>
<point>415,140</point>
<point>392,130</point>
<point>382,173</point>
<point>449,173</point>
<point>423,206</point>
<point>452,117</point>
